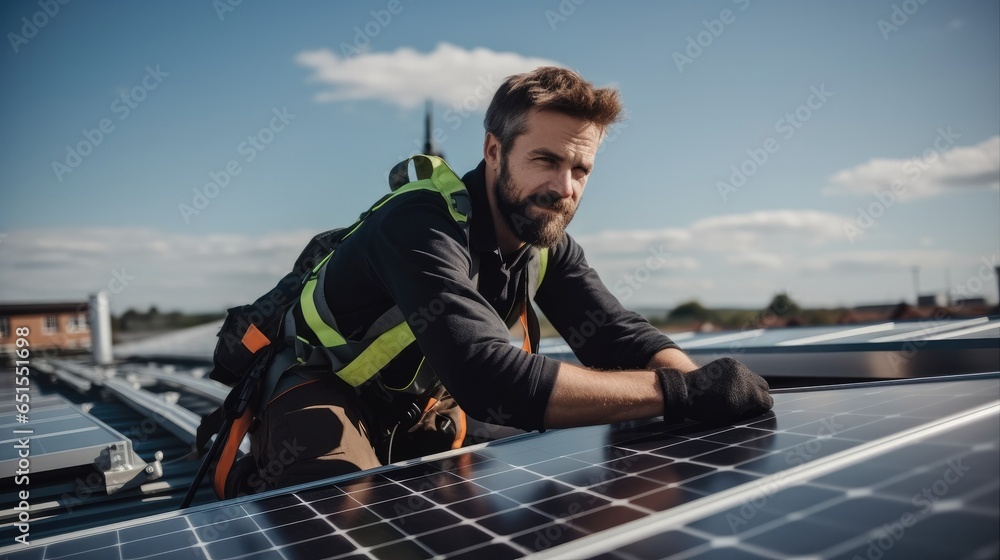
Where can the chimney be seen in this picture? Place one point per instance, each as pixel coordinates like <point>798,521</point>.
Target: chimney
<point>100,328</point>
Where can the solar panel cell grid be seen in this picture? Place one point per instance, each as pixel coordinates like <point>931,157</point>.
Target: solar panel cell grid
<point>540,492</point>
<point>917,509</point>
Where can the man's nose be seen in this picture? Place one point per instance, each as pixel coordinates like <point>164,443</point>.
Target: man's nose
<point>562,184</point>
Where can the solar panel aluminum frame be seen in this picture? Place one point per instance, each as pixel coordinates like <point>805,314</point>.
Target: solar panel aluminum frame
<point>871,360</point>
<point>112,455</point>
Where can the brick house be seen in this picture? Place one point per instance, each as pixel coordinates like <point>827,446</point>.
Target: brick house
<point>54,326</point>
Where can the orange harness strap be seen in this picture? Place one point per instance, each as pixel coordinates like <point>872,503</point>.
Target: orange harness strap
<point>254,341</point>
<point>228,455</point>
<point>459,431</point>
<point>526,345</point>
<point>237,432</point>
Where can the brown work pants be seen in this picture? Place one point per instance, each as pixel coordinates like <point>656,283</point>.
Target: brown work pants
<point>319,428</point>
<point>311,431</point>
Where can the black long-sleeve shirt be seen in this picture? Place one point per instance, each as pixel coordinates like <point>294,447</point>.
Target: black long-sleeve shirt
<point>413,254</point>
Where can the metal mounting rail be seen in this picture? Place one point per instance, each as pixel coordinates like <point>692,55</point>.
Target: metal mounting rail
<point>178,420</point>
<point>212,390</point>
<point>76,382</point>
<point>90,373</point>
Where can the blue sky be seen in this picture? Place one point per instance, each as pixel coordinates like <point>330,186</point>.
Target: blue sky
<point>874,126</point>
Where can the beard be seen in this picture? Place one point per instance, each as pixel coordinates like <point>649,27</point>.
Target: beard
<point>539,220</point>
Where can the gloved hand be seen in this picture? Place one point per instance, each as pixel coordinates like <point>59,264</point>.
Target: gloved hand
<point>722,391</point>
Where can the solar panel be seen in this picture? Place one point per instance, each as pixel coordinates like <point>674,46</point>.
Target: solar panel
<point>805,336</point>
<point>823,474</point>
<point>900,349</point>
<point>935,496</point>
<point>60,436</point>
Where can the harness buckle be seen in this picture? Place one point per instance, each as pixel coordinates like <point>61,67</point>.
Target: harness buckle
<point>462,202</point>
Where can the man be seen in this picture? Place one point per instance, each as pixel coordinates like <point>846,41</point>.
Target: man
<point>461,290</point>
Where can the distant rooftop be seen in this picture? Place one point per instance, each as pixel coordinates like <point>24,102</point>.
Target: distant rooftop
<point>7,309</point>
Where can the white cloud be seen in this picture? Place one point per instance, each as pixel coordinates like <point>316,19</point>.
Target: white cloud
<point>882,261</point>
<point>613,268</point>
<point>730,232</point>
<point>934,172</point>
<point>634,241</point>
<point>170,270</point>
<point>955,24</point>
<point>756,260</point>
<point>737,232</point>
<point>463,79</point>
<point>693,258</point>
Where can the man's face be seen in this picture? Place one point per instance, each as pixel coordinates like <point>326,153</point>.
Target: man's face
<point>542,176</point>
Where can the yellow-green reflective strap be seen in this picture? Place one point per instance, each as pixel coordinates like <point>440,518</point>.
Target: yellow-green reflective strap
<point>543,263</point>
<point>429,185</point>
<point>316,268</point>
<point>442,181</point>
<point>327,335</point>
<point>438,177</point>
<point>378,354</point>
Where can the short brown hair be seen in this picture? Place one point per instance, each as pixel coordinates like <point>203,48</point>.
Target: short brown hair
<point>550,88</point>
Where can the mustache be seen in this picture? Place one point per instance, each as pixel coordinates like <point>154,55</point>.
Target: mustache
<point>550,201</point>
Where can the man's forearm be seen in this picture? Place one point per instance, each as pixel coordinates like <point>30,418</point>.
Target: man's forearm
<point>672,358</point>
<point>584,397</point>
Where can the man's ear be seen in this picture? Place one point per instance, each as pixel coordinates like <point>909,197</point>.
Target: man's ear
<point>491,151</point>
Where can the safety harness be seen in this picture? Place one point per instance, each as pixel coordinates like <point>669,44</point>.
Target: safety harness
<point>266,348</point>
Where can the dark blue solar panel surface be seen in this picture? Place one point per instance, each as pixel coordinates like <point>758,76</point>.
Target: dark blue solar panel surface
<point>936,497</point>
<point>541,492</point>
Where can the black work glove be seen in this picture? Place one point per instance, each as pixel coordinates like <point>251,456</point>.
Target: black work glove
<point>720,392</point>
